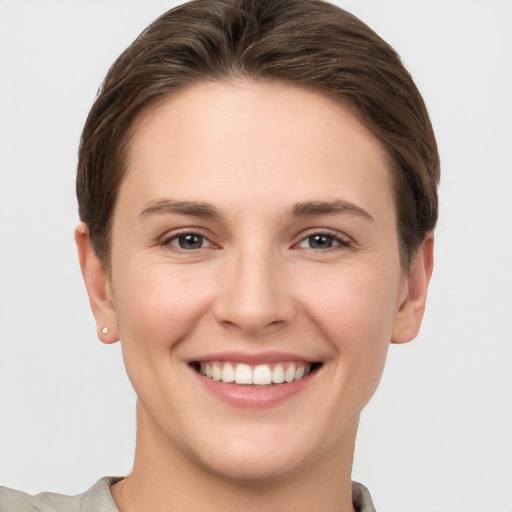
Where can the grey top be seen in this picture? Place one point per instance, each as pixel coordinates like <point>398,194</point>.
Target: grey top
<point>99,499</point>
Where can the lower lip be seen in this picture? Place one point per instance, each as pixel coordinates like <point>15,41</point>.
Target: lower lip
<point>255,396</point>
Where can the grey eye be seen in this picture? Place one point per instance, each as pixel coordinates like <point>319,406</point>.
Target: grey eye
<point>323,241</point>
<point>320,241</point>
<point>190,241</point>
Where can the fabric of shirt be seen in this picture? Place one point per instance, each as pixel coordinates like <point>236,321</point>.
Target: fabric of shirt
<point>99,499</point>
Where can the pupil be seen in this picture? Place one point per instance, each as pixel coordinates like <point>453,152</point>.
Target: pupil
<point>320,242</point>
<point>191,241</point>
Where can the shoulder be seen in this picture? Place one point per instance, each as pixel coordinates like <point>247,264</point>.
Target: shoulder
<point>96,499</point>
<point>17,501</point>
<point>361,498</point>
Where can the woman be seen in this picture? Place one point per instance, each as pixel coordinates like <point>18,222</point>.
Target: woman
<point>257,189</point>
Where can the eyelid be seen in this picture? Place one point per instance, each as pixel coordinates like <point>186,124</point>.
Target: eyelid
<point>343,239</point>
<point>168,237</point>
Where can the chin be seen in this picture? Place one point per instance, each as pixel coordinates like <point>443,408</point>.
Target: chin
<point>259,455</point>
<point>249,468</point>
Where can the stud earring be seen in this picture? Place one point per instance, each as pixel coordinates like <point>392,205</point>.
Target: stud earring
<point>104,330</point>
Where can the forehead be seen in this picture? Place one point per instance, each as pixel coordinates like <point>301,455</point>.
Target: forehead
<point>255,141</point>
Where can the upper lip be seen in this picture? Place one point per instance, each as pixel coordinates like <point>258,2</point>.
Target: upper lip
<point>252,358</point>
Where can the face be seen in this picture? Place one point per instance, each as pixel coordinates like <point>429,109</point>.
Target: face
<point>254,239</point>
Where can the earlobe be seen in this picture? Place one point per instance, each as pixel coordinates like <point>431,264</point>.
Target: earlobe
<point>98,286</point>
<point>408,318</point>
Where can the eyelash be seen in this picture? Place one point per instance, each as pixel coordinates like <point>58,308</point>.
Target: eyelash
<point>339,241</point>
<point>168,241</point>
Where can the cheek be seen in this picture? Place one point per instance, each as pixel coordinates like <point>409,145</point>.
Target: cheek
<point>158,307</point>
<point>156,310</point>
<point>355,305</point>
<point>355,311</point>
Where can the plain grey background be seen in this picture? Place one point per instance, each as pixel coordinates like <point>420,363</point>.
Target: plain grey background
<point>438,434</point>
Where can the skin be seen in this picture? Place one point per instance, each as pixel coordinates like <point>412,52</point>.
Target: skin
<point>256,283</point>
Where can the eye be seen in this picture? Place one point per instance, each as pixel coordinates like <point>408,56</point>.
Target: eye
<point>323,241</point>
<point>187,241</point>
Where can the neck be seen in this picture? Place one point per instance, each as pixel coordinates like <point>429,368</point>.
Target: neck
<point>164,478</point>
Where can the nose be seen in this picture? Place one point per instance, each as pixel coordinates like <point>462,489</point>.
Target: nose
<point>253,295</point>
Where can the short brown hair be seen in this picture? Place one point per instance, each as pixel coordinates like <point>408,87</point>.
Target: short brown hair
<point>305,42</point>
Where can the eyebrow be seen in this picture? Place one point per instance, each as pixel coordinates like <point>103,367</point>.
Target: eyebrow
<point>192,208</point>
<point>207,210</point>
<point>337,206</point>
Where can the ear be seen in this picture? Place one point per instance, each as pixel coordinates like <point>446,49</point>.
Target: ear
<point>408,318</point>
<point>98,286</point>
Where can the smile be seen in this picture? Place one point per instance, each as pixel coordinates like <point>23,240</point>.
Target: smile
<point>255,380</point>
<point>259,375</point>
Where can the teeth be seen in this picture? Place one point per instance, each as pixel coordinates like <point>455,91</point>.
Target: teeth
<point>278,374</point>
<point>216,372</point>
<point>260,375</point>
<point>243,374</point>
<point>228,373</point>
<point>289,374</point>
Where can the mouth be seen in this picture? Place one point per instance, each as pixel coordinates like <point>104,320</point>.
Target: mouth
<point>260,375</point>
